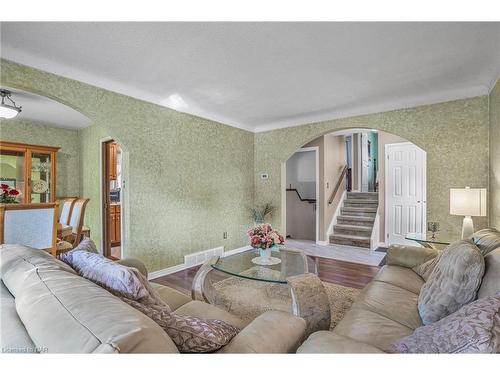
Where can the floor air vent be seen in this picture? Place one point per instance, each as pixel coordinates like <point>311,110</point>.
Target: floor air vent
<point>202,256</point>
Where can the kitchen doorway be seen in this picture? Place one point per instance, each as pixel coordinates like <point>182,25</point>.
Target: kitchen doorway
<point>112,198</point>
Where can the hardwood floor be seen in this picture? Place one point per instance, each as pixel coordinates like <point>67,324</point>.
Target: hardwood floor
<point>330,270</point>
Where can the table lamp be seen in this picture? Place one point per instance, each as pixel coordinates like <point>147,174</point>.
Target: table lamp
<point>468,202</point>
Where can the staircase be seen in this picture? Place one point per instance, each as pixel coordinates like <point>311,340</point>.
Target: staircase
<point>355,222</point>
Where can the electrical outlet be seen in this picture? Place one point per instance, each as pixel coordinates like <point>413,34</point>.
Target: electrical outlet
<point>224,235</point>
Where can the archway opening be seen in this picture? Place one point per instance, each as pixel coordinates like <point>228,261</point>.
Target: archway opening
<point>370,193</point>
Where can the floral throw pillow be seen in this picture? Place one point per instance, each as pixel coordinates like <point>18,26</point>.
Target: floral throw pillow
<point>190,334</point>
<point>475,328</point>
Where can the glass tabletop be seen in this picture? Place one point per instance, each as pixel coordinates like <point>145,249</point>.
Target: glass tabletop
<point>292,262</point>
<point>440,238</point>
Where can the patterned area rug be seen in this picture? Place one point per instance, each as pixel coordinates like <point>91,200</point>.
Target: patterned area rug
<point>247,299</point>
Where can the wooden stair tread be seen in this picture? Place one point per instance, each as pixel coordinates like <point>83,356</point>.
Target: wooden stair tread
<point>360,209</point>
<point>353,227</point>
<point>358,218</point>
<point>349,237</point>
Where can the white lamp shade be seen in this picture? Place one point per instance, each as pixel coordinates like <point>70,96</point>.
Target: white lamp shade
<point>468,202</point>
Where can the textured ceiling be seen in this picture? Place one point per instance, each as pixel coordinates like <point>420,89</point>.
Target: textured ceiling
<point>260,76</point>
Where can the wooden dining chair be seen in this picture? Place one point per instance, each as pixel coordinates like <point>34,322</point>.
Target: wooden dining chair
<point>66,208</point>
<point>76,222</point>
<point>32,224</point>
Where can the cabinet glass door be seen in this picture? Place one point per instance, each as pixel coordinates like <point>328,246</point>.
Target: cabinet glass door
<point>41,170</point>
<point>12,172</point>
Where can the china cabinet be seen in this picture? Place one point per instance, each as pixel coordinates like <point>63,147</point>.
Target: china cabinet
<point>30,169</point>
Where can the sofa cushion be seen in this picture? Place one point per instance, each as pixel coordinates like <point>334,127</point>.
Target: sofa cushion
<point>171,297</point>
<point>400,276</point>
<point>490,284</point>
<point>371,328</point>
<point>424,270</point>
<point>475,328</point>
<point>270,332</point>
<point>123,281</point>
<point>206,311</point>
<point>13,335</point>
<point>453,283</point>
<point>82,316</point>
<point>486,240</point>
<point>381,298</point>
<point>190,334</point>
<point>330,342</point>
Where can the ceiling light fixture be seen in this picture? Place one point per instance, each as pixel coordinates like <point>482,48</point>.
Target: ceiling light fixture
<point>8,111</point>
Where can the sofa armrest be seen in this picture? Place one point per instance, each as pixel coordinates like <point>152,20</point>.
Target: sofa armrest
<point>409,256</point>
<point>135,263</point>
<point>329,342</point>
<point>271,332</point>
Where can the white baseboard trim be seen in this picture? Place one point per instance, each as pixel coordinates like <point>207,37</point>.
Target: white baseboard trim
<point>382,244</point>
<point>183,266</point>
<point>322,243</point>
<point>236,251</point>
<point>166,271</point>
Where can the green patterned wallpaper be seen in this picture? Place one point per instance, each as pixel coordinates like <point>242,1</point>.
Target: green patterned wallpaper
<point>454,134</point>
<point>68,157</point>
<point>188,180</point>
<point>494,195</point>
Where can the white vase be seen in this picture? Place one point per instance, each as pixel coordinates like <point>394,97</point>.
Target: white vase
<point>265,254</point>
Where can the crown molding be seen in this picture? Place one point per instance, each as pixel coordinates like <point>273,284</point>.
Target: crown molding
<point>36,62</point>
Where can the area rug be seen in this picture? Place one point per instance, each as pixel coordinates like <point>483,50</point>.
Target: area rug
<point>247,298</point>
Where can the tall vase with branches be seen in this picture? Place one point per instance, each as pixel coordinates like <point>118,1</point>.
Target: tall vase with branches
<point>259,215</point>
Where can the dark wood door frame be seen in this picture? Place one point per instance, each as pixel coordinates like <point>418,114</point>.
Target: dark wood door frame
<point>106,199</point>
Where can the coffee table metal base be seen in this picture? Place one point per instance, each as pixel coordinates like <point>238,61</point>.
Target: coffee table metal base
<point>308,296</point>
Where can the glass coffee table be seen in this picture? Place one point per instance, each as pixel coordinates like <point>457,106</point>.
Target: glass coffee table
<point>235,282</point>
<point>433,241</point>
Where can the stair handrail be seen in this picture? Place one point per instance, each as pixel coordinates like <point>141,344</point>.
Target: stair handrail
<point>337,185</point>
<point>309,200</point>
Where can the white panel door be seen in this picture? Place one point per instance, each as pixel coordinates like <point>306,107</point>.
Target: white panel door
<point>405,192</point>
<point>364,162</point>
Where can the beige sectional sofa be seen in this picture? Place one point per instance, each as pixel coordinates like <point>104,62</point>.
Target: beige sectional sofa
<point>47,307</point>
<point>386,309</point>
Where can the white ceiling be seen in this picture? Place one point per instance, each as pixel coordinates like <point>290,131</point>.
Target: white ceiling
<point>42,109</point>
<point>260,76</point>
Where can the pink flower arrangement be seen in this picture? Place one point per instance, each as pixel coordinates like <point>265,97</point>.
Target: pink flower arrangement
<point>263,236</point>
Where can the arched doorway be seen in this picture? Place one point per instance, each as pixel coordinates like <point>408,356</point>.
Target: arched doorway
<point>377,202</point>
